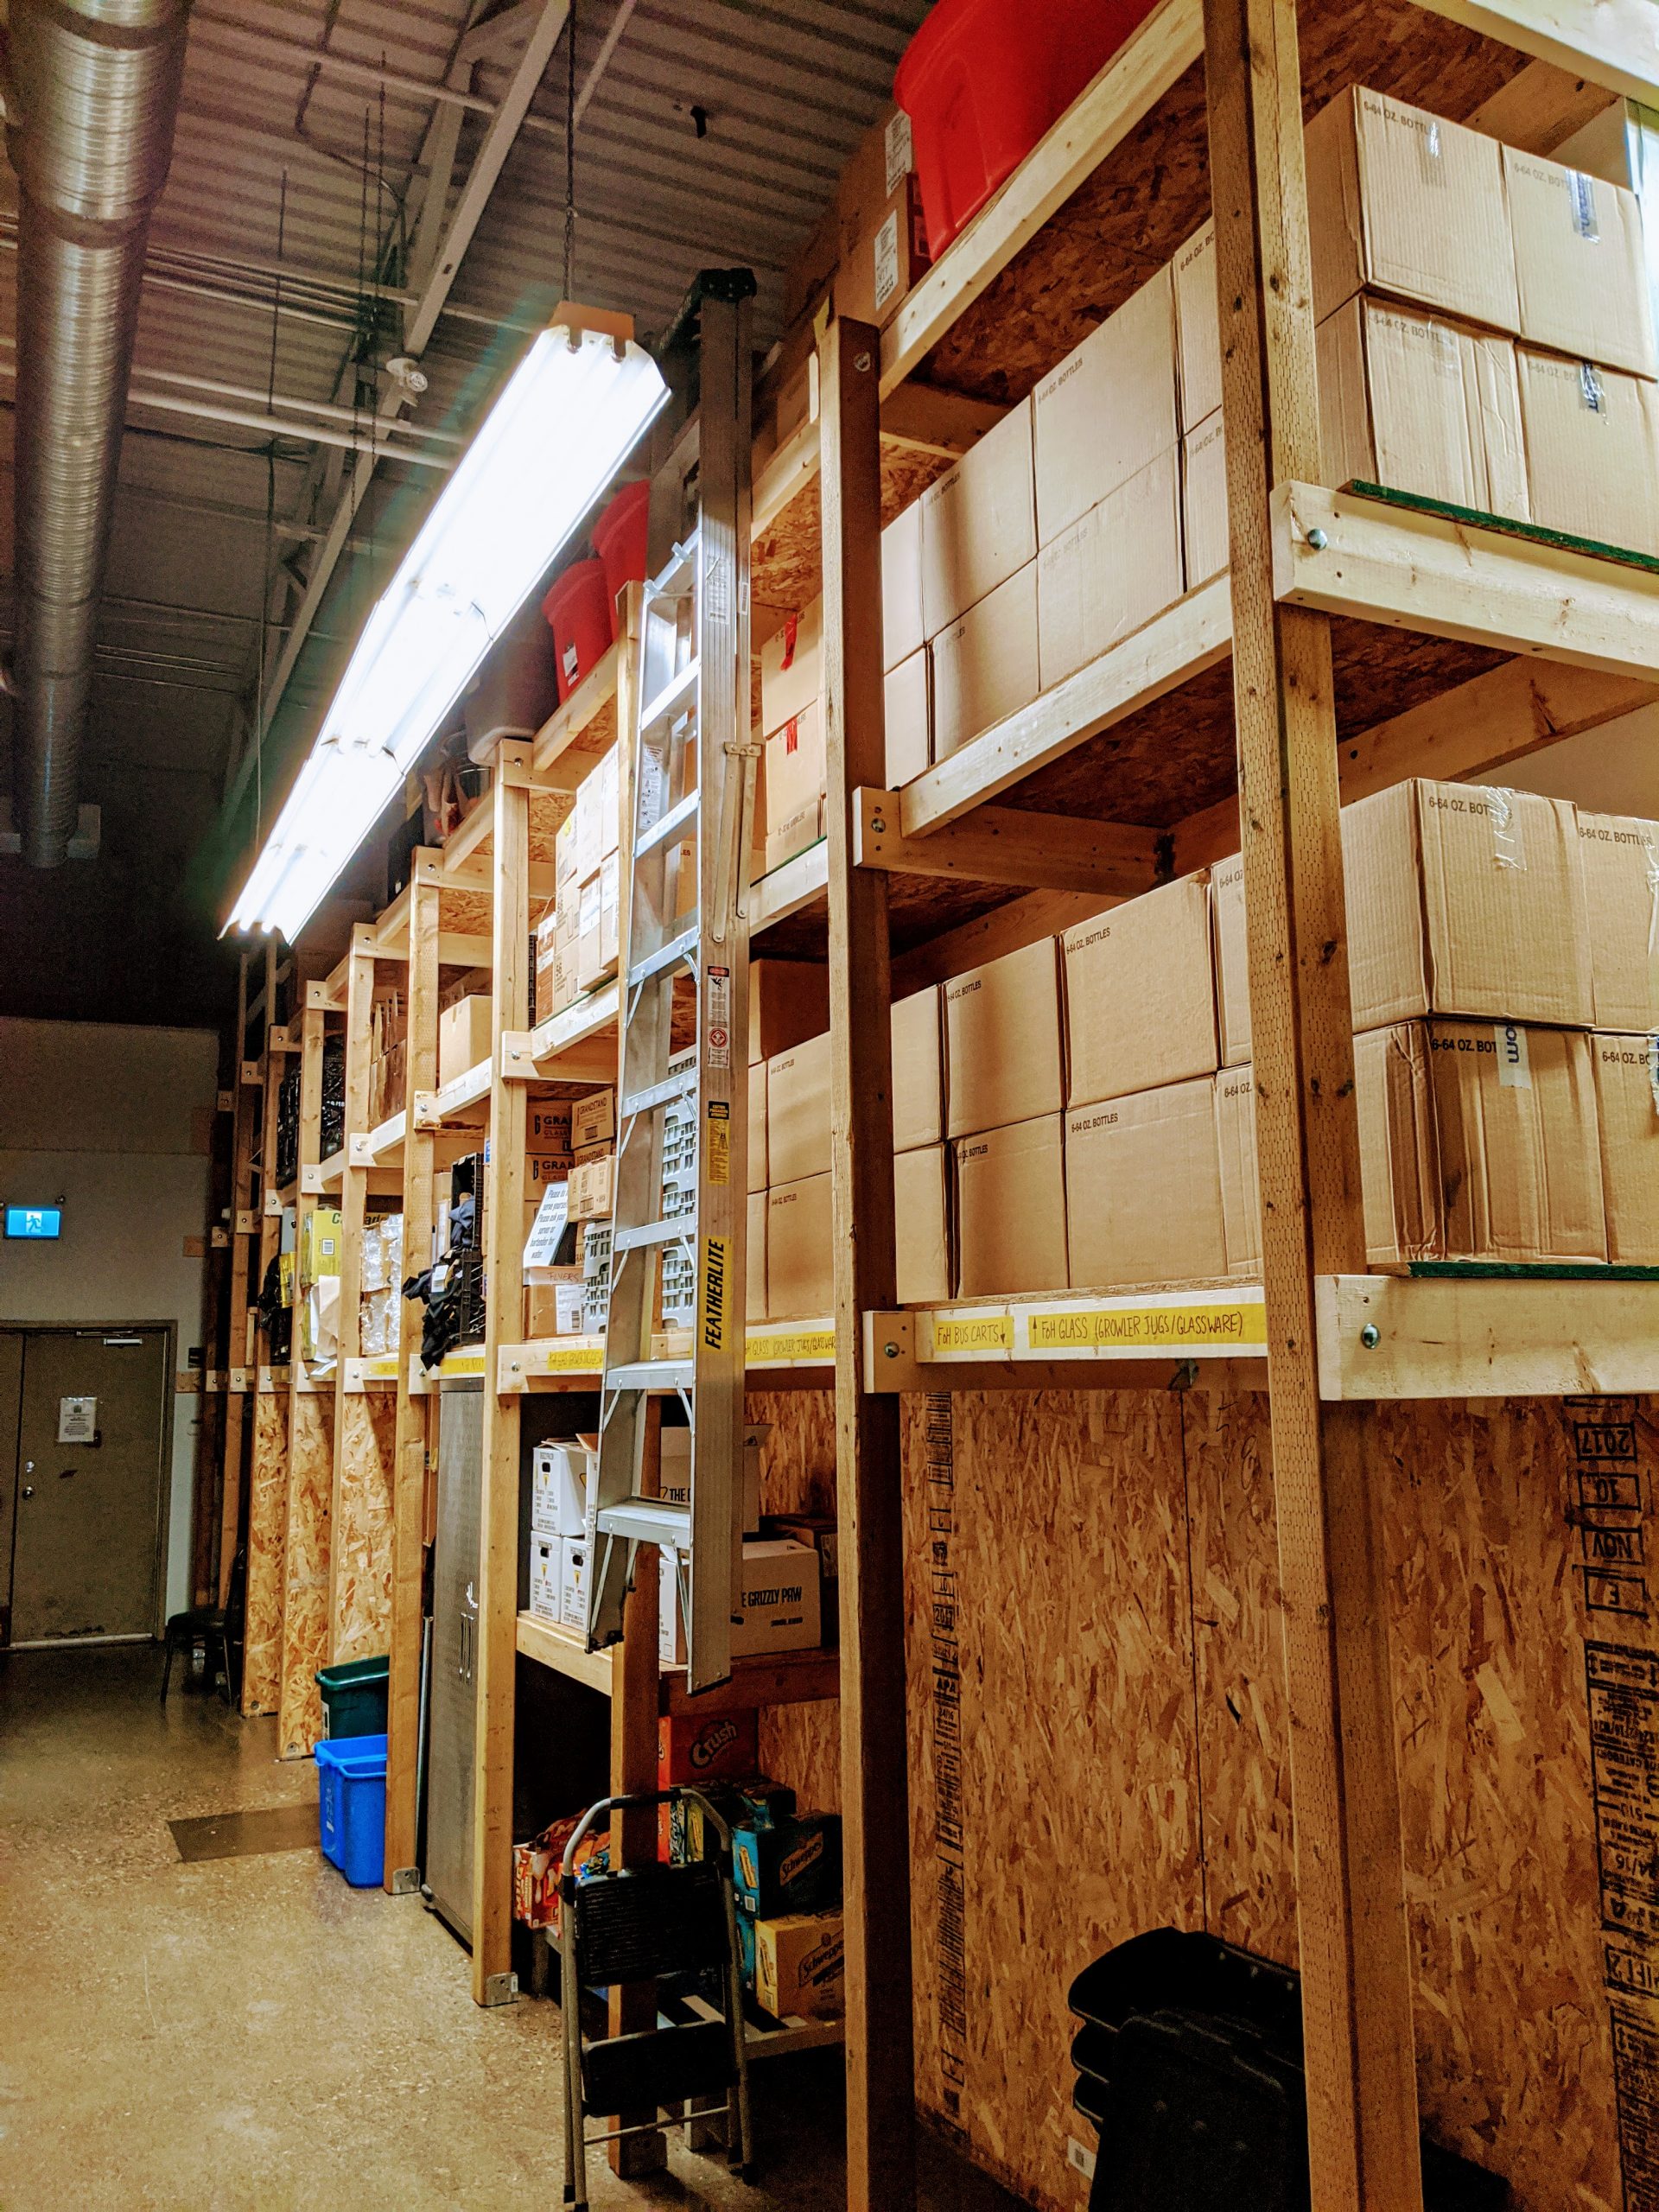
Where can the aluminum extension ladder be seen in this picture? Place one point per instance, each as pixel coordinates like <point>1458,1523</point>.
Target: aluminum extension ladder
<point>678,1254</point>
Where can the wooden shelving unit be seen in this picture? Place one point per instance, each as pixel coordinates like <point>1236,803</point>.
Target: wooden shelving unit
<point>1354,642</point>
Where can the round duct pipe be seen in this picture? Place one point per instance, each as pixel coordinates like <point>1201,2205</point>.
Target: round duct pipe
<point>92,101</point>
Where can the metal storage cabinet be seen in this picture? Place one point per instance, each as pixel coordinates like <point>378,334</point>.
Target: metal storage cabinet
<point>455,1650</point>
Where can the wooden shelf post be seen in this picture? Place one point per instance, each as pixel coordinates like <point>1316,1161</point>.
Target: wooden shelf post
<point>410,1448</point>
<point>354,1439</point>
<point>268,1481</point>
<point>234,1350</point>
<point>305,1572</point>
<point>1362,2117</point>
<point>880,2037</point>
<point>504,1251</point>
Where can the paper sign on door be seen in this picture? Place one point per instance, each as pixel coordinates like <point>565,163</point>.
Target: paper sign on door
<point>76,1421</point>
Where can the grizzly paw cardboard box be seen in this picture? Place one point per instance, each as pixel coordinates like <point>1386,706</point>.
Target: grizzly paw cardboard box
<point>1011,1210</point>
<point>1593,450</point>
<point>1421,404</point>
<point>978,522</point>
<point>1241,1188</point>
<point>1621,895</point>
<point>797,1112</point>
<point>985,664</point>
<point>1579,264</point>
<point>1140,994</point>
<point>778,1601</point>
<point>1464,899</point>
<point>1478,1142</point>
<point>1108,409</point>
<point>1107,573</point>
<point>1627,1117</point>
<point>800,1251</point>
<point>1143,1188</point>
<point>1003,1046</point>
<point>1404,202</point>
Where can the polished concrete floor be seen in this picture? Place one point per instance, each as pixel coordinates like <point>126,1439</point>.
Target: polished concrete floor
<point>249,2035</point>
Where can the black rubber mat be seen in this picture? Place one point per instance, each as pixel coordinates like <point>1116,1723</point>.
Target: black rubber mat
<point>245,1835</point>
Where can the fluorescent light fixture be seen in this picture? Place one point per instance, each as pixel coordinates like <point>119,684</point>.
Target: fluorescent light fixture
<point>569,416</point>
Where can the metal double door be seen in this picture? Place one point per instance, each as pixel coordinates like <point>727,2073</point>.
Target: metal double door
<point>454,1708</point>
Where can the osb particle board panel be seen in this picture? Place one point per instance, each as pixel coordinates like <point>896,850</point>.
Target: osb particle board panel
<point>1055,1807</point>
<point>1154,191</point>
<point>468,913</point>
<point>262,1653</point>
<point>1496,1538</point>
<point>786,563</point>
<point>305,1574</point>
<point>360,1553</point>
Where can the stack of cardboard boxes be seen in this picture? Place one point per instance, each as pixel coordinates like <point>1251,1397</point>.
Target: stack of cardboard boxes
<point>578,939</point>
<point>570,1165</point>
<point>1484,339</point>
<point>388,1055</point>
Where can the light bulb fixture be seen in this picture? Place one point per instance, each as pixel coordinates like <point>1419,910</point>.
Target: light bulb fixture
<point>569,417</point>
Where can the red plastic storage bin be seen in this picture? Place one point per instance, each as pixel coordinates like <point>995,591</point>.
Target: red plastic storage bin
<point>578,611</point>
<point>982,80</point>
<point>620,537</point>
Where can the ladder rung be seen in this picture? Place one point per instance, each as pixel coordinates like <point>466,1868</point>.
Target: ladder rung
<point>661,830</point>
<point>650,1375</point>
<point>647,1521</point>
<point>659,1094</point>
<point>671,698</point>
<point>654,1232</point>
<point>666,955</point>
<point>677,577</point>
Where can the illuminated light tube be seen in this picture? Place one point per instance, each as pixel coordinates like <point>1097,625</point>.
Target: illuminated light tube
<point>569,416</point>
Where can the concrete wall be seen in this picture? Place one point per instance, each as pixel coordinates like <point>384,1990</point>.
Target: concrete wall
<point>115,1122</point>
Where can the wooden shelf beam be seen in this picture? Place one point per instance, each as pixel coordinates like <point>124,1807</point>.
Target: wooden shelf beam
<point>1002,844</point>
<point>1390,1337</point>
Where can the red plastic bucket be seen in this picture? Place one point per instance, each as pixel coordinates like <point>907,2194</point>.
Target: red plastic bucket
<point>578,611</point>
<point>620,537</point>
<point>982,82</point>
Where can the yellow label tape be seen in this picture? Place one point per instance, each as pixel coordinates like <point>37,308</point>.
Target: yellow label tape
<point>1147,1328</point>
<point>798,1348</point>
<point>956,1333</point>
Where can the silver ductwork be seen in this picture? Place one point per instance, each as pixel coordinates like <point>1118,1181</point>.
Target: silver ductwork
<point>91,100</point>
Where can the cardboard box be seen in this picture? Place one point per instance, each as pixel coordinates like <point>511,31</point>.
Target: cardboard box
<point>918,1071</point>
<point>1478,1142</point>
<point>1464,899</point>
<point>1143,1188</point>
<point>466,1036</point>
<point>883,258</point>
<point>1627,1117</point>
<point>591,1119</point>
<point>903,631</point>
<point>558,1487</point>
<point>1593,450</point>
<point>1108,409</point>
<point>985,664</point>
<point>1420,405</point>
<point>1011,1210</point>
<point>1198,329</point>
<point>800,1251</point>
<point>553,1309</point>
<point>759,1168</point>
<point>592,1189</point>
<point>610,913</point>
<point>907,702</point>
<point>978,522</point>
<point>589,954</point>
<point>1110,571</point>
<point>1404,202</point>
<point>1140,994</point>
<point>1579,264</point>
<point>574,1557</point>
<point>1240,1187</point>
<point>546,1566</point>
<point>791,1865</point>
<point>754,1266</point>
<point>1232,960</point>
<point>800,1966</point>
<point>566,871</point>
<point>1206,549</point>
<point>777,1601</point>
<point>791,668</point>
<point>547,941</point>
<point>319,1243</point>
<point>548,1129</point>
<point>797,1112</point>
<point>794,786</point>
<point>922,1226</point>
<point>708,1747</point>
<point>674,1471</point>
<point>1003,1044</point>
<point>789,1001</point>
<point>1620,855</point>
